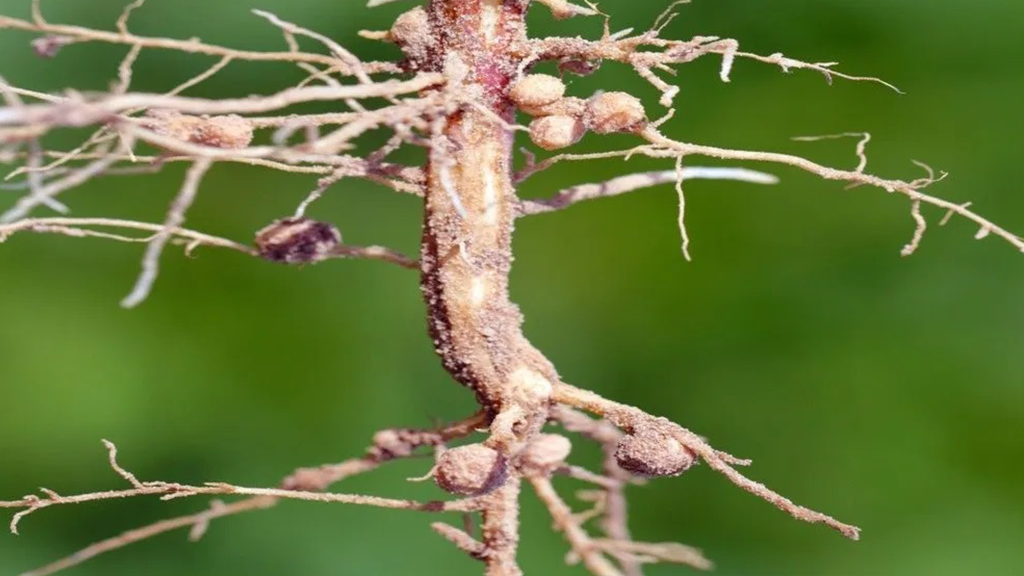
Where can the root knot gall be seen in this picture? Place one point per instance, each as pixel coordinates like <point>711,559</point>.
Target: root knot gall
<point>297,241</point>
<point>615,112</point>
<point>470,470</point>
<point>533,92</point>
<point>555,132</point>
<point>229,131</point>
<point>653,453</point>
<point>545,453</point>
<point>412,32</point>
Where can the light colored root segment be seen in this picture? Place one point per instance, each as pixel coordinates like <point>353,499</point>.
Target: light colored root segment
<point>81,34</point>
<point>90,112</point>
<point>664,147</point>
<point>196,523</point>
<point>190,239</point>
<point>303,484</point>
<point>629,418</point>
<point>565,9</point>
<point>500,529</point>
<point>173,491</point>
<point>93,228</point>
<point>639,181</point>
<point>155,247</point>
<point>198,130</point>
<point>648,54</point>
<point>683,233</point>
<point>594,552</point>
<point>461,539</point>
<point>582,545</point>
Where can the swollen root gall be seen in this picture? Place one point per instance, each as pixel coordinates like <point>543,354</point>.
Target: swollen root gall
<point>535,91</point>
<point>297,241</point>
<point>554,132</point>
<point>411,31</point>
<point>545,453</point>
<point>230,131</point>
<point>615,112</point>
<point>470,470</point>
<point>653,453</point>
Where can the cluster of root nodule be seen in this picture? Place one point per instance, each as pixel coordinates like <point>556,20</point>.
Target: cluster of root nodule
<point>477,469</point>
<point>229,131</point>
<point>560,121</point>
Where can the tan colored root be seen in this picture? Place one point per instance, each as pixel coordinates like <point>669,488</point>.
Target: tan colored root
<point>465,70</point>
<point>303,484</point>
<point>630,418</point>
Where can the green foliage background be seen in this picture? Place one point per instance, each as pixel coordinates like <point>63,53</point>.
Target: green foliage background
<point>889,392</point>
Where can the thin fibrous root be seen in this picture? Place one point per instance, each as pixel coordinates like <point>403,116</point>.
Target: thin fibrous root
<point>462,540</point>
<point>155,247</point>
<point>191,239</point>
<point>303,484</point>
<point>82,112</point>
<point>648,52</point>
<point>173,490</point>
<point>663,147</point>
<point>579,540</point>
<point>639,181</point>
<point>81,34</point>
<point>197,524</point>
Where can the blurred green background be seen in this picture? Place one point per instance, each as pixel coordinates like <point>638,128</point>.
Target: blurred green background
<point>886,391</point>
